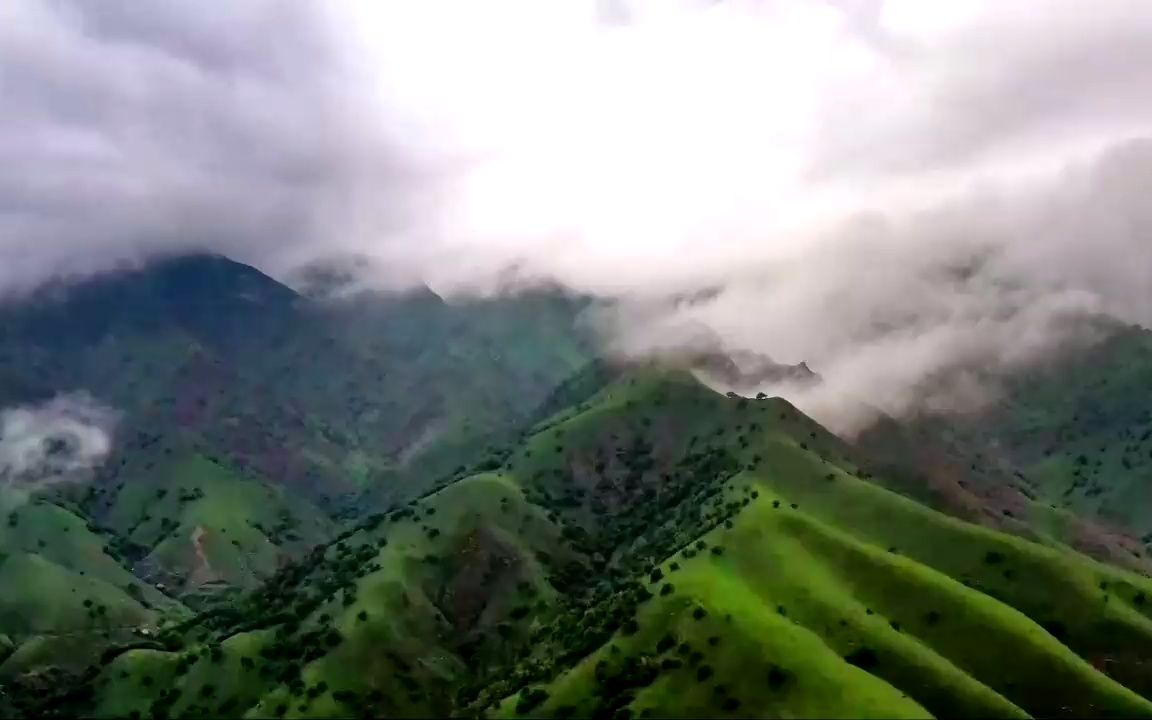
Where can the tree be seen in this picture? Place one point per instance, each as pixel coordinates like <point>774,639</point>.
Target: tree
<point>777,676</point>
<point>530,700</point>
<point>864,658</point>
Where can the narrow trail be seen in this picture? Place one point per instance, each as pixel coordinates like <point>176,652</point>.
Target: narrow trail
<point>202,571</point>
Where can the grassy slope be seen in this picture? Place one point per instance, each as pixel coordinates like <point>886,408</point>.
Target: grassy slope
<point>201,521</point>
<point>794,588</point>
<point>69,591</point>
<point>475,369</point>
<point>64,595</point>
<point>401,656</point>
<point>1080,427</point>
<point>850,547</point>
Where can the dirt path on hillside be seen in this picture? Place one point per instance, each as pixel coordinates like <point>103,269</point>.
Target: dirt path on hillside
<point>202,570</point>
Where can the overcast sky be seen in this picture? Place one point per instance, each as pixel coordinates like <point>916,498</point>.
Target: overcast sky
<point>897,180</point>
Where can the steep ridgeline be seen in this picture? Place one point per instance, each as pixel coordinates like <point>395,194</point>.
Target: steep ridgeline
<point>924,458</point>
<point>657,550</point>
<point>1065,451</point>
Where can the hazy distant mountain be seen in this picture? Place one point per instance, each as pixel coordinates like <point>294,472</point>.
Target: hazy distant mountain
<point>1073,433</point>
<point>327,396</point>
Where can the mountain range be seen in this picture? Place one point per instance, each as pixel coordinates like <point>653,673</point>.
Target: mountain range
<point>325,505</point>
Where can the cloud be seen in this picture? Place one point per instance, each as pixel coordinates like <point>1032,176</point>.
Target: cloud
<point>904,313</point>
<point>885,188</point>
<point>55,441</point>
<point>131,131</point>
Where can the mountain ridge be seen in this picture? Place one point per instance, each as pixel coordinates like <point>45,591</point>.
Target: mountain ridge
<point>762,572</point>
<point>413,505</point>
<point>250,422</point>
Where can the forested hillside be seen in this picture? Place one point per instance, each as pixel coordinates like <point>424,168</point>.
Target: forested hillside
<point>251,423</point>
<point>657,550</point>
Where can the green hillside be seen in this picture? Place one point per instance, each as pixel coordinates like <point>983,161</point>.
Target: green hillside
<point>327,397</point>
<point>1065,449</point>
<point>66,595</point>
<point>447,378</point>
<point>1082,428</point>
<point>254,418</point>
<point>192,521</point>
<point>657,551</point>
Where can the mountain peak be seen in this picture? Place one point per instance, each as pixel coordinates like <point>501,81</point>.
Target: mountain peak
<point>748,370</point>
<point>200,293</point>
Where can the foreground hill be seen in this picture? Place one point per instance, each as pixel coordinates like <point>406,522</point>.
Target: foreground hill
<point>67,593</point>
<point>657,550</point>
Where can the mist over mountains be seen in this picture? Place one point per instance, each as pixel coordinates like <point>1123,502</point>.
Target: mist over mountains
<point>53,441</point>
<point>872,190</point>
<point>588,358</point>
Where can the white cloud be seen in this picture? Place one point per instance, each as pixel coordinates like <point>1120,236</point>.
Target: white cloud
<point>878,186</point>
<point>54,441</point>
